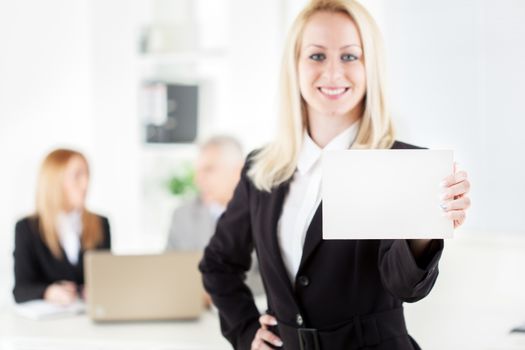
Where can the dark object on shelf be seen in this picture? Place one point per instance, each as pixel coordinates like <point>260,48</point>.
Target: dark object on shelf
<point>519,329</point>
<point>179,115</point>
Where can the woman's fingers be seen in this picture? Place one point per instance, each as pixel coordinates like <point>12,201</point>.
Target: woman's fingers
<point>258,344</point>
<point>68,285</point>
<point>458,215</point>
<point>455,178</point>
<point>58,294</point>
<point>266,335</point>
<point>454,199</point>
<point>66,296</point>
<point>455,190</point>
<point>267,320</point>
<point>263,335</point>
<point>461,203</point>
<point>455,185</point>
<point>459,222</point>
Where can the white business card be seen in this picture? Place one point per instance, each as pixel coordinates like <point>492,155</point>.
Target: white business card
<point>385,194</point>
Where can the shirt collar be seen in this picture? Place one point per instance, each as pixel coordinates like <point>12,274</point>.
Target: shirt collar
<point>70,222</point>
<point>311,152</point>
<point>216,210</point>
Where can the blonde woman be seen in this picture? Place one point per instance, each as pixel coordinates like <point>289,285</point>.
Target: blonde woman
<point>328,295</point>
<point>50,244</point>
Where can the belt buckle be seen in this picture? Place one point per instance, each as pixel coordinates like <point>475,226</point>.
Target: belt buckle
<point>308,339</point>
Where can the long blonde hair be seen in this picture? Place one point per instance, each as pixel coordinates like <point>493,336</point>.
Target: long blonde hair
<point>276,163</point>
<point>51,200</point>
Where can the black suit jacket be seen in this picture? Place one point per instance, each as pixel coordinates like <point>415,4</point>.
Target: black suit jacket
<point>36,267</point>
<point>338,284</point>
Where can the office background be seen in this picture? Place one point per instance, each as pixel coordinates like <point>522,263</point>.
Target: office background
<point>71,72</point>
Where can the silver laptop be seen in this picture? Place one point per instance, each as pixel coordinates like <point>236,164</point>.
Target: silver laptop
<point>143,287</point>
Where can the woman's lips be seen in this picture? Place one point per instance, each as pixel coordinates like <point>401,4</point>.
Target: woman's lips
<point>333,92</point>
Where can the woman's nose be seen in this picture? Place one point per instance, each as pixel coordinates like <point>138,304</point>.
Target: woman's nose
<point>333,70</point>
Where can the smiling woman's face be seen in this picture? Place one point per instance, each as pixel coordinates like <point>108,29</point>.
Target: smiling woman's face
<point>331,70</point>
<point>76,178</point>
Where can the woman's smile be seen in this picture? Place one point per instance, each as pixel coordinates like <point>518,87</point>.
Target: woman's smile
<point>333,93</point>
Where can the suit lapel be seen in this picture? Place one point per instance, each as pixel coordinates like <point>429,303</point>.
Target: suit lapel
<point>314,235</point>
<point>272,203</point>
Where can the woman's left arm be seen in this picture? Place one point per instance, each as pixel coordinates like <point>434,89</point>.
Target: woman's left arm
<point>409,268</point>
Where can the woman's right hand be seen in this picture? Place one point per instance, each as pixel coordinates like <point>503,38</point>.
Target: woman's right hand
<point>62,293</point>
<point>263,334</point>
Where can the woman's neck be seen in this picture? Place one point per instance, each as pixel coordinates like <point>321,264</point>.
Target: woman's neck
<point>324,128</point>
<point>71,211</point>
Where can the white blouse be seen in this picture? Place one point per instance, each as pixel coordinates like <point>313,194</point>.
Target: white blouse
<point>304,196</point>
<point>69,232</point>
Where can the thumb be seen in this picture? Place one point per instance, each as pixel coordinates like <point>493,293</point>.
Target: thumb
<point>456,167</point>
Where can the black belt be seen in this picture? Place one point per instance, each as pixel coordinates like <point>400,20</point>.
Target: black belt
<point>361,331</point>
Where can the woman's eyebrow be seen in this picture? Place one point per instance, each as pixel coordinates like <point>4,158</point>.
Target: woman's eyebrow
<point>349,46</point>
<point>316,46</point>
<point>341,48</point>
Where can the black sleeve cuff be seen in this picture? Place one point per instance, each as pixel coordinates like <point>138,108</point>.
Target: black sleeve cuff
<point>418,271</point>
<point>29,292</point>
<point>247,335</point>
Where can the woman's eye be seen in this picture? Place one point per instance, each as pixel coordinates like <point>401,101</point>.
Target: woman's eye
<point>318,56</point>
<point>348,57</point>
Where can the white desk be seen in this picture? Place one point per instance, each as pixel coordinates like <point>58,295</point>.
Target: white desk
<point>79,333</point>
<point>479,296</point>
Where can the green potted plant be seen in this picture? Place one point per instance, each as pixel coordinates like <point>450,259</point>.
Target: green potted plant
<point>182,182</point>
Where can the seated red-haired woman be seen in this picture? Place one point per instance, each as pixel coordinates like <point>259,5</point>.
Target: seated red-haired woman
<point>49,245</point>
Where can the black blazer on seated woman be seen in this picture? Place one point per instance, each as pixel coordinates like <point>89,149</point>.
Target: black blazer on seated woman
<point>36,267</point>
<point>348,294</point>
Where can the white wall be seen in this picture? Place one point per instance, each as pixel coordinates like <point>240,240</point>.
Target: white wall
<point>116,138</point>
<point>257,39</point>
<point>456,79</point>
<point>45,100</point>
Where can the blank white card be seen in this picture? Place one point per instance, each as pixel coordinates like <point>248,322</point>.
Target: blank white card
<point>385,194</point>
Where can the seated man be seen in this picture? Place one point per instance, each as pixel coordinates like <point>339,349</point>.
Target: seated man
<point>217,171</point>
